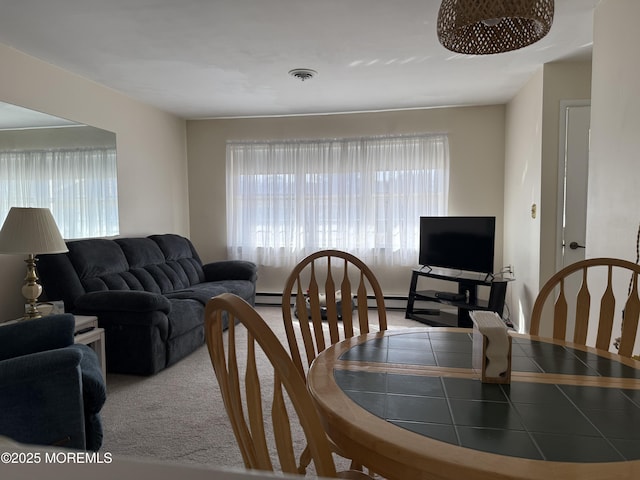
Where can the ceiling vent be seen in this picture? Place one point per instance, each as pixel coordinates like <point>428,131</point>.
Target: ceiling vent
<point>303,73</point>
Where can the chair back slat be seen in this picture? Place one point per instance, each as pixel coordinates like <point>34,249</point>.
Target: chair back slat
<point>630,320</point>
<point>560,314</point>
<point>307,331</point>
<point>347,312</point>
<point>583,306</point>
<point>591,324</point>
<point>330,305</point>
<point>290,400</point>
<point>363,310</point>
<point>254,409</point>
<point>282,430</point>
<point>332,320</point>
<point>607,312</point>
<point>313,293</point>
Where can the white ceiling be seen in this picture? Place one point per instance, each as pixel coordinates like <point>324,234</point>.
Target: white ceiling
<point>226,58</point>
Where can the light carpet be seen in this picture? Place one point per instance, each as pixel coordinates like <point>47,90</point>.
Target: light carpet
<point>177,415</point>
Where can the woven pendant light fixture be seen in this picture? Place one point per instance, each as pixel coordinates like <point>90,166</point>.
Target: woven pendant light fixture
<point>485,27</point>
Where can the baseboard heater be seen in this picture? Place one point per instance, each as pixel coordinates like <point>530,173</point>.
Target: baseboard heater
<point>275,299</point>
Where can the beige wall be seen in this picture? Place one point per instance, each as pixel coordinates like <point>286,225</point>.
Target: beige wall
<point>614,175</point>
<point>531,178</point>
<point>152,166</point>
<point>523,153</point>
<point>476,136</point>
<point>614,172</point>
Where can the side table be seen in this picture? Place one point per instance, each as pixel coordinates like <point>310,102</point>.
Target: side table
<point>88,333</point>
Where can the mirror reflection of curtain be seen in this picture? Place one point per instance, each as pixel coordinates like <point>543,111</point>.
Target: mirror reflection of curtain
<point>79,185</point>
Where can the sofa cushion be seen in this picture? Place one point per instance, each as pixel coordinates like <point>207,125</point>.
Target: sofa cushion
<point>242,288</point>
<point>175,247</point>
<point>183,307</point>
<point>140,252</point>
<point>150,266</point>
<point>181,256</point>
<point>95,259</point>
<point>123,301</point>
<point>201,292</point>
<point>186,315</point>
<point>147,280</point>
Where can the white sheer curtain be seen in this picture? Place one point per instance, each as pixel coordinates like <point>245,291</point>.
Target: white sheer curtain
<point>79,186</point>
<point>365,196</point>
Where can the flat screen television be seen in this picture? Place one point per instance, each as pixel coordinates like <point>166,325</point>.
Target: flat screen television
<point>459,243</point>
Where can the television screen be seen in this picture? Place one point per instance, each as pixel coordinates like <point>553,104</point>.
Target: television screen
<point>461,243</point>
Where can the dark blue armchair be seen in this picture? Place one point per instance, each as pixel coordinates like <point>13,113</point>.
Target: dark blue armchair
<point>51,390</point>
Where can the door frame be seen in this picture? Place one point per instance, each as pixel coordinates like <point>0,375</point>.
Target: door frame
<point>562,150</point>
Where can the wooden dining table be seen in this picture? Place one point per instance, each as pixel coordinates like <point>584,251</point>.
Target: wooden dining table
<point>408,404</point>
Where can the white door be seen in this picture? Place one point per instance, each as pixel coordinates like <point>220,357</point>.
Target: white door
<point>572,194</point>
<point>573,178</point>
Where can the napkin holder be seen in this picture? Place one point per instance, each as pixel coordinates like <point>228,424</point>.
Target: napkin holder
<point>491,347</point>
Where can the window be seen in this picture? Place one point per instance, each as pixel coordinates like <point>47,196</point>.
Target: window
<point>78,185</point>
<point>288,199</point>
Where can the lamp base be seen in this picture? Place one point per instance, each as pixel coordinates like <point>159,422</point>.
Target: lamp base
<point>31,289</point>
<point>31,313</point>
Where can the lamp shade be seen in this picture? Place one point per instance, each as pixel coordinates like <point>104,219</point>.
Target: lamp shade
<point>31,231</point>
<point>484,27</point>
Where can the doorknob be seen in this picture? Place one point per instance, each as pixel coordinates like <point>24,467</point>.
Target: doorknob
<point>575,245</point>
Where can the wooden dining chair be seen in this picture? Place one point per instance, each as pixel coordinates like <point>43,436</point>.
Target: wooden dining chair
<point>320,295</point>
<point>618,280</point>
<point>244,386</point>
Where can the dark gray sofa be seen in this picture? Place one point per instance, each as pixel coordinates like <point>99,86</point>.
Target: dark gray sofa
<point>148,293</point>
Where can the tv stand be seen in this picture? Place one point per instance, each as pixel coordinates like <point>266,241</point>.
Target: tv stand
<point>488,277</point>
<point>468,284</point>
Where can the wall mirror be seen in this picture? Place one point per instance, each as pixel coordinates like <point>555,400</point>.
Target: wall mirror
<point>70,168</point>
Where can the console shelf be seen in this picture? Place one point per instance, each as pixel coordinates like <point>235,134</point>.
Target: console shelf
<point>467,285</point>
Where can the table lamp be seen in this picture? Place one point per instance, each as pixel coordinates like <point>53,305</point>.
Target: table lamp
<point>31,231</point>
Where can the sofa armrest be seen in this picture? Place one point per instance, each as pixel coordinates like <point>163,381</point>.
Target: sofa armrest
<point>122,301</point>
<point>230,270</point>
<point>94,395</point>
<point>41,398</point>
<point>93,383</point>
<point>38,335</point>
<point>37,365</point>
